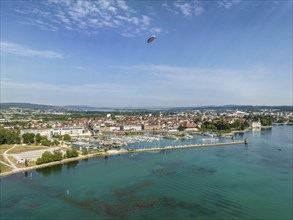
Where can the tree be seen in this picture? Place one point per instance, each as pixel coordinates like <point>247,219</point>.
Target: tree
<point>85,152</point>
<point>222,125</point>
<point>180,128</point>
<point>71,153</point>
<point>67,138</point>
<point>26,162</point>
<point>237,124</point>
<point>198,119</point>
<point>38,138</point>
<point>57,155</point>
<point>3,139</point>
<point>58,136</point>
<point>46,142</point>
<point>8,136</point>
<point>28,138</point>
<point>209,125</point>
<point>48,157</point>
<point>265,121</point>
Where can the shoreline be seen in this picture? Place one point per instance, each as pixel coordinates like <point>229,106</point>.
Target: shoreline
<point>24,169</point>
<point>245,130</point>
<point>115,152</point>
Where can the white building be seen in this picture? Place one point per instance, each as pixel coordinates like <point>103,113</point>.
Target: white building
<point>43,132</point>
<point>132,127</point>
<point>72,131</point>
<point>256,124</point>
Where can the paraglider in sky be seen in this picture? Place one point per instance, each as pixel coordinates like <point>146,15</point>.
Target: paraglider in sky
<point>151,39</point>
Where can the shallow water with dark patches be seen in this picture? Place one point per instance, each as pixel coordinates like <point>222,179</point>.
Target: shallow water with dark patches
<point>227,182</point>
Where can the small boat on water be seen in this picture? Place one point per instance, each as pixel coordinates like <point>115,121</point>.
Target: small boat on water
<point>210,134</point>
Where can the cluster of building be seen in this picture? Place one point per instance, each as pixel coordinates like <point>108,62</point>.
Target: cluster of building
<point>118,123</point>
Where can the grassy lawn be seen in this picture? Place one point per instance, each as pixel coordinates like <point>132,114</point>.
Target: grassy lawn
<point>4,168</point>
<point>20,148</point>
<point>5,147</point>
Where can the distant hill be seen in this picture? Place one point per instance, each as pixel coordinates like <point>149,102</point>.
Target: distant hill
<point>27,105</point>
<point>46,107</point>
<point>90,108</point>
<point>81,108</point>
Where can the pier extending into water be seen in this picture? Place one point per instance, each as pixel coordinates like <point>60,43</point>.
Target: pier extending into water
<point>187,146</point>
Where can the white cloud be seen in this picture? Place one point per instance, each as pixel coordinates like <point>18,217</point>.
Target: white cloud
<point>122,4</point>
<point>187,8</point>
<point>22,50</point>
<point>145,20</point>
<point>228,3</point>
<point>86,16</point>
<point>184,8</point>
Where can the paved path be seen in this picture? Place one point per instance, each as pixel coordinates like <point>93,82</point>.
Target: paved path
<point>6,164</point>
<point>9,161</point>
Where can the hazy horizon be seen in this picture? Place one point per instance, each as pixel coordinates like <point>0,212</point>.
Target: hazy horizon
<point>94,53</point>
<point>137,107</point>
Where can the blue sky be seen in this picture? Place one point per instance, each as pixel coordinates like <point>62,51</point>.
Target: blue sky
<point>95,52</point>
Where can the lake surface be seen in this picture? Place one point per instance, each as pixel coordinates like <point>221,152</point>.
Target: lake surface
<point>227,182</point>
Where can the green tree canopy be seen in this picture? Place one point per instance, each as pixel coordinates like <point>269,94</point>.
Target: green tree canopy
<point>56,142</point>
<point>38,138</point>
<point>48,157</point>
<point>180,128</point>
<point>71,153</point>
<point>67,137</point>
<point>8,136</point>
<point>28,138</point>
<point>46,142</point>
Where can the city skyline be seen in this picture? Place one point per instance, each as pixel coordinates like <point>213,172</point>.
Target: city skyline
<point>95,53</point>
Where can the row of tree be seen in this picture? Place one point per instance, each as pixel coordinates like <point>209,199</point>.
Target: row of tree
<point>222,125</point>
<point>30,138</point>
<point>71,153</point>
<point>65,137</point>
<point>48,157</point>
<point>12,136</point>
<point>265,121</point>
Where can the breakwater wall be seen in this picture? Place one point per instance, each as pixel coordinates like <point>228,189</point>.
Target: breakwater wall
<point>187,146</point>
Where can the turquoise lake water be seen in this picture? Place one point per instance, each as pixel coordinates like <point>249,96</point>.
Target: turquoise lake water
<point>227,182</point>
